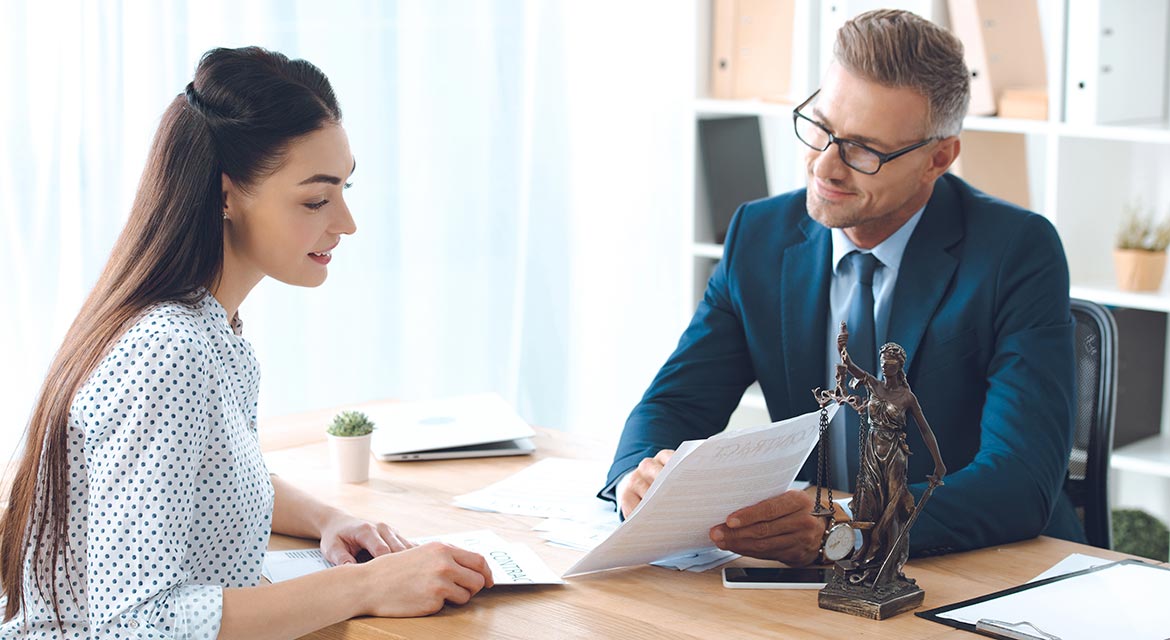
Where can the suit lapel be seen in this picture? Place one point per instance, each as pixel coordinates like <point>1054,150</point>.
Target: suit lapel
<point>926,270</point>
<point>804,304</point>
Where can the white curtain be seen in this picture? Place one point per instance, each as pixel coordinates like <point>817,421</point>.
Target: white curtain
<point>521,188</point>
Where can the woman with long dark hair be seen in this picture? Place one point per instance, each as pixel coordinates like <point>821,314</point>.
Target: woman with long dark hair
<point>141,506</point>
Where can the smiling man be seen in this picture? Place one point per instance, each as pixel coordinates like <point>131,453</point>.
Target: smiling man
<point>974,289</point>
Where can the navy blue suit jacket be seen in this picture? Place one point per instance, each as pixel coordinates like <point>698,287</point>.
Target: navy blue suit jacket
<point>981,306</point>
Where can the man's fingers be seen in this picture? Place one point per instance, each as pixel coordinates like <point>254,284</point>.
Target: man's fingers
<point>787,503</point>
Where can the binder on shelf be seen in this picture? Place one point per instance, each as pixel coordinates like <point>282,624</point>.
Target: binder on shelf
<point>732,156</point>
<point>1027,104</point>
<point>1003,48</point>
<point>751,49</point>
<point>1116,62</point>
<point>996,163</point>
<point>835,13</point>
<point>1141,347</point>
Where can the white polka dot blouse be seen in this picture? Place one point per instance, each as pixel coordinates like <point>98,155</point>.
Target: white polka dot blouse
<point>169,499</point>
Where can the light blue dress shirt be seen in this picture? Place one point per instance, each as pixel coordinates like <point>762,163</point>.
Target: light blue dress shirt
<point>841,286</point>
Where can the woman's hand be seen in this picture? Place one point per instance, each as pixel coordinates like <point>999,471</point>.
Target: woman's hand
<point>344,537</point>
<point>419,580</point>
<point>940,470</point>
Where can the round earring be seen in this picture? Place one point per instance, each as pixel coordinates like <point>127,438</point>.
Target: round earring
<point>225,215</point>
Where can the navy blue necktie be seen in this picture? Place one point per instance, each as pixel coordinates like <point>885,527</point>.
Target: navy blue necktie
<point>862,349</point>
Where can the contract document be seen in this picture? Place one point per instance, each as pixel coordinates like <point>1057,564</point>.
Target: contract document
<point>510,563</point>
<point>703,483</point>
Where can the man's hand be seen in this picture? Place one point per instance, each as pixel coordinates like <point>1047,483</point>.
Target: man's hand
<point>779,528</point>
<point>633,487</point>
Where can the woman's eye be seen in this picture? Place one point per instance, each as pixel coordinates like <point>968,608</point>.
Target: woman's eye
<point>316,205</point>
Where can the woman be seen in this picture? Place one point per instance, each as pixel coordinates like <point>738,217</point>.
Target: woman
<point>882,502</point>
<point>141,506</point>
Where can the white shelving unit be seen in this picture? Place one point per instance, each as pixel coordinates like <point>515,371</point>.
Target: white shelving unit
<point>1081,177</point>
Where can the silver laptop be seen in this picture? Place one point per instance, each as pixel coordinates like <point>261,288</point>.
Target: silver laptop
<point>473,426</point>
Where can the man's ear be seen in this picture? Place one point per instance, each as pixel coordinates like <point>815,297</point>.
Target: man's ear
<point>943,156</point>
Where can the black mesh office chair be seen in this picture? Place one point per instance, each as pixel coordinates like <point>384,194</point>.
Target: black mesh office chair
<point>1087,482</point>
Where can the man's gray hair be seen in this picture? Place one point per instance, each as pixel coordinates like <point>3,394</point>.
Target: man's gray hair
<point>897,48</point>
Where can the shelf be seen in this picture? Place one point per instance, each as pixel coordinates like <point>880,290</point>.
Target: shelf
<point>708,250</point>
<point>715,108</point>
<point>1007,125</point>
<point>1111,295</point>
<point>1151,455</point>
<point>1157,134</point>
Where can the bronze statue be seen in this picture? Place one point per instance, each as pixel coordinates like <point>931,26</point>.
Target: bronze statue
<point>870,581</point>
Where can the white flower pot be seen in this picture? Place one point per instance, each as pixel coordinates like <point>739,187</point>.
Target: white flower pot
<point>351,457</point>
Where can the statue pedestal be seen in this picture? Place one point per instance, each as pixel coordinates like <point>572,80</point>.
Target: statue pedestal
<point>877,604</point>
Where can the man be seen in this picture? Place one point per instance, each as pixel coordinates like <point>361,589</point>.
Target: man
<point>974,289</point>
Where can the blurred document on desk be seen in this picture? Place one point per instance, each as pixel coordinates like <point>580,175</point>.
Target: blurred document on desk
<point>511,563</point>
<point>551,488</point>
<point>704,482</point>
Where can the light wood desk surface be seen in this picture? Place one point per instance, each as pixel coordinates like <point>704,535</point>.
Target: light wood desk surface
<point>637,602</point>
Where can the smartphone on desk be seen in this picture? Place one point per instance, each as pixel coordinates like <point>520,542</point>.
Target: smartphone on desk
<point>775,577</point>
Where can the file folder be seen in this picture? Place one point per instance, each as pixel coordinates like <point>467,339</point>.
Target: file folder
<point>1003,47</point>
<point>1116,62</point>
<point>751,49</point>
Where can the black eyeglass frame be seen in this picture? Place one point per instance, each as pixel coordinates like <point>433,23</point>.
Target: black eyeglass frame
<point>883,158</point>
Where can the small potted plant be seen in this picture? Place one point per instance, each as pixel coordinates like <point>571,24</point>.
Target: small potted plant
<point>349,445</point>
<point>1140,255</point>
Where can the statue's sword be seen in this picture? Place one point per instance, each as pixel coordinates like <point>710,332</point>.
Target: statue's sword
<point>905,531</point>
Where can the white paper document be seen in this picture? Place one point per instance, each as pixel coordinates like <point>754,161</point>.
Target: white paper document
<point>550,488</point>
<point>1072,562</point>
<point>704,482</point>
<point>511,563</point>
<point>1114,601</point>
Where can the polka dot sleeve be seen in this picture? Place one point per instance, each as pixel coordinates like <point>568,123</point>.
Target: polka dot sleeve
<point>146,438</point>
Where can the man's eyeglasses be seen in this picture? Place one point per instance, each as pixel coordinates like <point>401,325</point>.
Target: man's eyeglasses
<point>854,154</point>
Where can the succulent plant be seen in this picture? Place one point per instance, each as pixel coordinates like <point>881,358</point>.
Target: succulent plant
<point>350,424</point>
<point>1143,232</point>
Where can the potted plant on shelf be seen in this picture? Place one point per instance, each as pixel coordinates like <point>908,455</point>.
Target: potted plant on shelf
<point>349,445</point>
<point>1140,256</point>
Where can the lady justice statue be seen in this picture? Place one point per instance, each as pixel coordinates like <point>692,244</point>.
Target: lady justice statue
<point>869,581</point>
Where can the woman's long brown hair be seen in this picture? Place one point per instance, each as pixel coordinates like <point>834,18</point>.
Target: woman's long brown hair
<point>236,118</point>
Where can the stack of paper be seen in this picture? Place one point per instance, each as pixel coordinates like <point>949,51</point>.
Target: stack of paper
<point>511,563</point>
<point>705,481</point>
<point>551,488</point>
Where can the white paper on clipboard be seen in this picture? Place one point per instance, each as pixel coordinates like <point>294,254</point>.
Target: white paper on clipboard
<point>1120,600</point>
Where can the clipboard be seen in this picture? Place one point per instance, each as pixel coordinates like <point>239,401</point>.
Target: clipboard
<point>999,614</point>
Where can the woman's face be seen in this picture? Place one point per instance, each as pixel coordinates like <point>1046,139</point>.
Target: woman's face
<point>287,225</point>
<point>890,366</point>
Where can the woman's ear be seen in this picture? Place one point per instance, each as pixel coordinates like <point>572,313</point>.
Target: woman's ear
<point>231,196</point>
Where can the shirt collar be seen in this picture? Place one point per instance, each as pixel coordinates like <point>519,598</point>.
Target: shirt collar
<point>889,251</point>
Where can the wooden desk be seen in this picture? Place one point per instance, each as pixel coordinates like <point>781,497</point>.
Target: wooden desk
<point>638,602</point>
